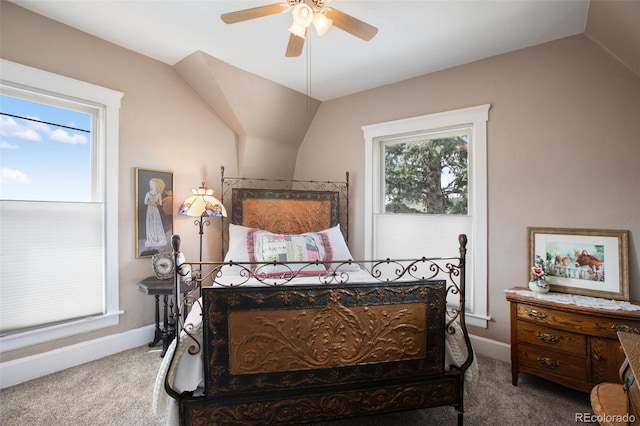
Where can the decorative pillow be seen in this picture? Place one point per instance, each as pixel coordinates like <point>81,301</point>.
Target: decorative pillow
<point>239,250</point>
<point>264,246</point>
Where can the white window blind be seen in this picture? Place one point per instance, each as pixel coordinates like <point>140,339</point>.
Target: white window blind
<point>52,263</point>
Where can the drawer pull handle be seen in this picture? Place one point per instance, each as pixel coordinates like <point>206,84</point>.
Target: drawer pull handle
<point>535,314</point>
<point>625,328</point>
<point>597,357</point>
<point>548,338</point>
<point>548,363</point>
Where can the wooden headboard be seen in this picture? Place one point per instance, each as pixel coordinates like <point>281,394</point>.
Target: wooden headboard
<point>285,211</point>
<point>284,206</point>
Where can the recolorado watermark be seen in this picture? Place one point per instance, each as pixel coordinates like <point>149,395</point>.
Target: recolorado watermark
<point>605,418</point>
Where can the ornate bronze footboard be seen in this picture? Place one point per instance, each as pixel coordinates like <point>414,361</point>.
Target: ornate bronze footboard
<point>297,354</point>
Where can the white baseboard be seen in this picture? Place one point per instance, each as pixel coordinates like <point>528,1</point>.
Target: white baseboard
<point>491,348</point>
<point>31,367</point>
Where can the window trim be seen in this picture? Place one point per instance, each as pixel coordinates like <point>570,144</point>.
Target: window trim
<point>477,295</point>
<point>107,132</point>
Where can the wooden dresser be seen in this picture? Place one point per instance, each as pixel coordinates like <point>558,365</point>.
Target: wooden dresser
<point>571,345</point>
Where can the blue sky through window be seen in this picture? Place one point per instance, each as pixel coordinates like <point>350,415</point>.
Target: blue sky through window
<point>42,161</point>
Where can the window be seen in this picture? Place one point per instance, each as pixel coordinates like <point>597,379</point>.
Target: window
<point>47,148</point>
<point>58,204</point>
<point>425,183</point>
<point>426,173</point>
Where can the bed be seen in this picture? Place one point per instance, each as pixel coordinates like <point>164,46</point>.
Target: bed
<point>288,328</point>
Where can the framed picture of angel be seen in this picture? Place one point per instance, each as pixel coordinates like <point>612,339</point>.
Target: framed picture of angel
<point>154,211</point>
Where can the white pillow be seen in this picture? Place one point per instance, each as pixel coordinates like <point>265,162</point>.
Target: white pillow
<point>338,245</point>
<point>340,250</point>
<point>238,250</point>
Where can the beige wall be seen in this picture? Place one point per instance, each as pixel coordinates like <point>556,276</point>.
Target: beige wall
<point>563,148</point>
<point>615,25</point>
<point>164,125</point>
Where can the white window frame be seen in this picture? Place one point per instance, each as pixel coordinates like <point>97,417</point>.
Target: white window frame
<point>21,76</point>
<point>477,290</point>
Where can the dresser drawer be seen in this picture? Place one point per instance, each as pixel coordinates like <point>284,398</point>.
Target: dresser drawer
<point>560,340</point>
<point>542,315</point>
<point>609,328</point>
<point>551,362</point>
<point>581,323</point>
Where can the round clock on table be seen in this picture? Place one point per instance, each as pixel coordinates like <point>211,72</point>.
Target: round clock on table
<point>163,265</point>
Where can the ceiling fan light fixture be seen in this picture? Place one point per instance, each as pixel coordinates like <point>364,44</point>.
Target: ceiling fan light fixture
<point>302,18</point>
<point>321,22</point>
<point>298,30</point>
<point>302,14</point>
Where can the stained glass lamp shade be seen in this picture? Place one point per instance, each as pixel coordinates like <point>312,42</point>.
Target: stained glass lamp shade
<point>202,203</point>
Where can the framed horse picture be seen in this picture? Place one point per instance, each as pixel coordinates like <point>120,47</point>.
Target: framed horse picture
<point>591,262</point>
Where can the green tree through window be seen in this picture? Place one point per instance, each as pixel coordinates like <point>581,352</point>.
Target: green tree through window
<point>427,176</point>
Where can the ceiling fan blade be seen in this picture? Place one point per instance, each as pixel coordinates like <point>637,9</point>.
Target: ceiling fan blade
<point>294,48</point>
<point>253,13</point>
<point>351,25</point>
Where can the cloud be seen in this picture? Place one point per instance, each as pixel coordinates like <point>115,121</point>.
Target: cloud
<point>62,136</point>
<point>34,132</point>
<point>13,176</point>
<point>7,145</point>
<point>12,129</point>
<point>34,123</point>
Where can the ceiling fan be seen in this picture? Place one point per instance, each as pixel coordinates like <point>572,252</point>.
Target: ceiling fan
<point>305,13</point>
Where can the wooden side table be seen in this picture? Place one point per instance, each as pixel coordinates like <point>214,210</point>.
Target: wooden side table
<point>153,286</point>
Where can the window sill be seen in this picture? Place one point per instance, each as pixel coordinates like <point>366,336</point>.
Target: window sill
<point>477,320</point>
<point>24,339</point>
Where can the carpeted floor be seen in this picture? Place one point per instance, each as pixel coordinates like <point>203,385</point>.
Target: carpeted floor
<point>117,390</point>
